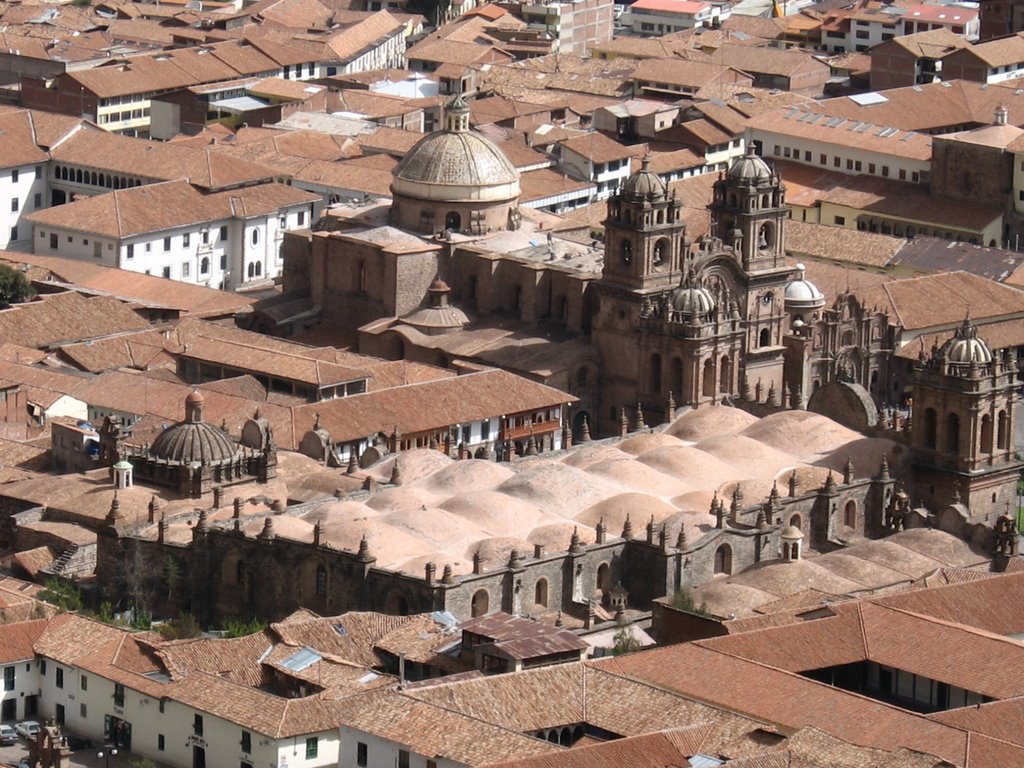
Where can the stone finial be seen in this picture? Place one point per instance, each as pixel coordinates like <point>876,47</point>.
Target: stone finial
<point>429,571</point>
<point>396,473</point>
<point>558,619</point>
<point>566,436</point>
<point>762,520</point>
<point>478,562</point>
<point>277,506</point>
<point>364,550</point>
<point>115,516</point>
<point>848,475</point>
<point>153,507</point>
<point>773,497</point>
<point>793,485</point>
<point>318,532</point>
<point>531,446</point>
<point>203,524</point>
<point>601,531</point>
<point>830,483</point>
<point>238,507</point>
<point>745,388</point>
<point>681,538</point>
<point>486,453</point>
<point>585,429</point>
<point>883,470</point>
<point>339,493</point>
<point>353,463</point>
<point>623,423</point>
<point>161,531</point>
<point>627,528</point>
<point>670,411</point>
<point>772,401</point>
<point>316,422</point>
<point>514,560</point>
<point>218,496</point>
<point>268,529</point>
<point>447,577</point>
<point>650,530</point>
<point>737,501</point>
<point>575,545</point>
<point>663,538</point>
<point>638,418</point>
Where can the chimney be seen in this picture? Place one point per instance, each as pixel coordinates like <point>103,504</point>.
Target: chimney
<point>1001,115</point>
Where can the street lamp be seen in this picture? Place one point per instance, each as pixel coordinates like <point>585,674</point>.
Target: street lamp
<point>107,753</point>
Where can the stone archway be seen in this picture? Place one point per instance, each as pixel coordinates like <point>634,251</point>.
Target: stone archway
<point>847,403</point>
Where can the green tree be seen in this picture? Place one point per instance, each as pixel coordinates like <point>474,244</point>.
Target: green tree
<point>241,627</point>
<point>625,641</point>
<point>183,627</point>
<point>62,594</point>
<point>683,600</point>
<point>14,287</point>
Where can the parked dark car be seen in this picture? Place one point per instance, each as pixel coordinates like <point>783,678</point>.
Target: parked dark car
<point>76,742</point>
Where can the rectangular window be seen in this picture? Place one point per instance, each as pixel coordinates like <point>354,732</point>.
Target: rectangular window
<point>837,162</point>
<point>856,165</point>
<point>84,682</point>
<point>903,174</point>
<point>807,155</point>
<point>361,754</point>
<point>871,168</point>
<point>849,164</point>
<point>82,710</point>
<point>42,667</point>
<point>118,695</point>
<point>197,725</point>
<point>37,200</point>
<point>206,237</point>
<point>14,233</point>
<point>167,243</point>
<point>403,758</point>
<point>246,742</point>
<point>185,239</point>
<point>14,176</point>
<point>14,205</point>
<point>160,742</point>
<point>131,251</point>
<point>60,677</point>
<point>312,747</point>
<point>840,220</point>
<point>301,218</point>
<point>167,272</point>
<point>149,247</point>
<point>885,171</point>
<point>97,249</point>
<point>224,233</point>
<point>823,159</point>
<point>185,269</point>
<point>8,678</point>
<point>785,151</point>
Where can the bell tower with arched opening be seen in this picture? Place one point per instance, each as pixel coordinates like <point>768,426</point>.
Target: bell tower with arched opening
<point>645,237</point>
<point>962,427</point>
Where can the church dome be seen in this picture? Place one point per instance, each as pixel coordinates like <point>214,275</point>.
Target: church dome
<point>966,347</point>
<point>455,160</point>
<point>645,183</point>
<point>691,300</point>
<point>791,532</point>
<point>751,169</point>
<point>193,440</point>
<point>802,294</point>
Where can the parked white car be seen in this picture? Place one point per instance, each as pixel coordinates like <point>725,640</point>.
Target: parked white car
<point>27,729</point>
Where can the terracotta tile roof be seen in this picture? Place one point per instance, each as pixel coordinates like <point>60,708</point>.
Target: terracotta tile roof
<point>562,72</point>
<point>932,254</point>
<point>598,148</point>
<point>392,141</point>
<point>153,208</point>
<point>689,74</point>
<point>545,182</point>
<point>195,300</point>
<point>651,750</point>
<point>817,241</point>
<point>522,638</point>
<point>65,316</point>
<point>236,659</point>
<point>353,40</point>
<point>433,730</point>
<point>931,301</point>
<point>370,175</point>
<point>911,203</point>
<point>770,61</point>
<point>20,145</point>
<point>430,405</point>
<point>17,641</point>
<point>788,699</point>
<point>351,636</point>
<point>998,52</point>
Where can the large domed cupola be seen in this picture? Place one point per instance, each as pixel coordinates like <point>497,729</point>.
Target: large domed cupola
<point>455,180</point>
<point>802,295</point>
<point>966,347</point>
<point>194,441</point>
<point>645,184</point>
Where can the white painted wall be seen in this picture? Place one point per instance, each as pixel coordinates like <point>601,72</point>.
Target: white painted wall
<point>26,683</point>
<point>775,145</point>
<point>18,189</point>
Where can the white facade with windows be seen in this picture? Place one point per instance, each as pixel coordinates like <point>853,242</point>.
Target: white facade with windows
<point>19,698</point>
<point>22,190</point>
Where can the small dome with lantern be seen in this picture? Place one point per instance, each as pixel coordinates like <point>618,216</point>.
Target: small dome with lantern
<point>692,300</point>
<point>966,346</point>
<point>645,183</point>
<point>751,169</point>
<point>801,294</point>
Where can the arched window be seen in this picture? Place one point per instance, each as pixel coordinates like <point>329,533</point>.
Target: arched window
<point>602,578</point>
<point>930,428</point>
<point>764,339</point>
<point>986,434</point>
<point>723,559</point>
<point>725,376</point>
<point>708,378</point>
<point>321,580</point>
<point>1003,433</point>
<point>204,265</point>
<point>251,270</point>
<point>661,250</point>
<point>540,593</point>
<point>953,433</point>
<point>655,373</point>
<point>676,377</point>
<point>626,249</point>
<point>797,522</point>
<point>479,605</point>
<point>259,268</point>
<point>453,221</point>
<point>255,236</point>
<point>850,514</point>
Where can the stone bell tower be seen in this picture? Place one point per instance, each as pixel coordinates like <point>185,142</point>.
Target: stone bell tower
<point>645,237</point>
<point>963,419</point>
